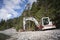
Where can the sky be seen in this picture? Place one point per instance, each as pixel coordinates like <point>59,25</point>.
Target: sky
<point>13,8</point>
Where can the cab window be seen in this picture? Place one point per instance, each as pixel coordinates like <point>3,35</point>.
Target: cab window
<point>45,21</point>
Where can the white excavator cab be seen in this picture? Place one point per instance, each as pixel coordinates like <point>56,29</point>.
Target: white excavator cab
<point>47,23</point>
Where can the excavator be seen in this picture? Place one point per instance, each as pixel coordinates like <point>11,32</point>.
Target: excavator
<point>45,23</point>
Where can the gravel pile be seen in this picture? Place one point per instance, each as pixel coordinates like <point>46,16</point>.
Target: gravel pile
<point>40,35</point>
<point>10,31</point>
<point>36,35</point>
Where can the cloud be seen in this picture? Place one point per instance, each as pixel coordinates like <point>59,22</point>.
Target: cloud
<point>12,3</point>
<point>4,14</point>
<point>8,10</point>
<point>31,1</point>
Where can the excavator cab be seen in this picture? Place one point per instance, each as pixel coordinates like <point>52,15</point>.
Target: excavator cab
<point>46,23</point>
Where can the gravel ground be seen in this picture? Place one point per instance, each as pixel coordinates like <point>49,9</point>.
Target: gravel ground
<point>39,35</point>
<point>35,35</point>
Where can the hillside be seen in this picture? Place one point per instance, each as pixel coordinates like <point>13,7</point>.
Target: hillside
<point>39,9</point>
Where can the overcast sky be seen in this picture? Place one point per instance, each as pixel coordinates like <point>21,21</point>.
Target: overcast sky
<point>12,8</point>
